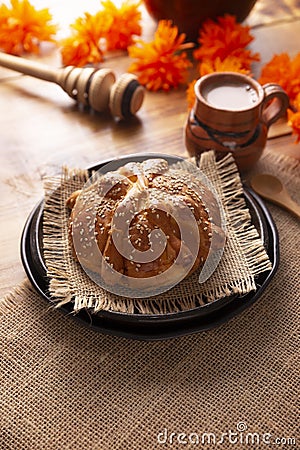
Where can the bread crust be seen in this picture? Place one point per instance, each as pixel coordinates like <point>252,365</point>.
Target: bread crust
<point>117,198</point>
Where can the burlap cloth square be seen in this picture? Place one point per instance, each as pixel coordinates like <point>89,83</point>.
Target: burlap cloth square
<point>243,258</point>
<point>66,387</point>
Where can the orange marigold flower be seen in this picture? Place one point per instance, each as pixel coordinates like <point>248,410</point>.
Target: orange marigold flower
<point>161,63</point>
<point>84,46</point>
<point>294,122</point>
<point>229,64</point>
<point>283,70</point>
<point>23,28</point>
<point>296,102</point>
<point>125,23</point>
<point>80,52</point>
<point>224,38</point>
<point>91,26</point>
<point>190,94</point>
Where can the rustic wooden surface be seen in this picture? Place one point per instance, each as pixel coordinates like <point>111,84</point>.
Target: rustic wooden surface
<point>41,128</point>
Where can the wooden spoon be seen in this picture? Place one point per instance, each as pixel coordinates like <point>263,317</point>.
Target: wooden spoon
<point>271,188</point>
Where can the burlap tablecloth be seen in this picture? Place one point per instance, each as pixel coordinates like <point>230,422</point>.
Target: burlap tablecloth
<point>244,256</point>
<point>67,387</point>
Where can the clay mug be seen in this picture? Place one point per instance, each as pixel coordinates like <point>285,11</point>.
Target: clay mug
<point>232,113</point>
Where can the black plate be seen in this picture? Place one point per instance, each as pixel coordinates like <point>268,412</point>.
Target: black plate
<point>154,326</point>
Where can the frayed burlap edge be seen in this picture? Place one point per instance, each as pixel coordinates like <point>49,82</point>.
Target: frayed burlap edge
<point>55,233</point>
<point>18,294</point>
<point>240,219</point>
<point>227,182</point>
<point>225,177</point>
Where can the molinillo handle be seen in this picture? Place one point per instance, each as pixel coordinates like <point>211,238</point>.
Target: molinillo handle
<point>92,87</point>
<point>273,110</point>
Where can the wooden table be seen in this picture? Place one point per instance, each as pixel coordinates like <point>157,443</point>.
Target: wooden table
<point>41,128</point>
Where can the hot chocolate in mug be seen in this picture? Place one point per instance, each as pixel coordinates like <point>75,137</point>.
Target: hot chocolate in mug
<point>232,113</point>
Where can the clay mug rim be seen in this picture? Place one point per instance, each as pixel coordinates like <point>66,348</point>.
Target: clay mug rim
<point>268,111</point>
<point>224,76</point>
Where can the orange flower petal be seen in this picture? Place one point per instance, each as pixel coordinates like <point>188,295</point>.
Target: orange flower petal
<point>190,94</point>
<point>296,102</point>
<point>23,28</point>
<point>111,25</point>
<point>294,122</point>
<point>229,64</point>
<point>84,46</point>
<point>91,26</point>
<point>78,52</point>
<point>125,23</point>
<point>161,63</point>
<point>283,70</point>
<point>224,38</point>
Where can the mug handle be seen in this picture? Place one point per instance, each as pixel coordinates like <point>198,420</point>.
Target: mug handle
<point>272,110</point>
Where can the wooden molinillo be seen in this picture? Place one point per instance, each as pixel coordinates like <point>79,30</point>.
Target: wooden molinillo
<point>92,87</point>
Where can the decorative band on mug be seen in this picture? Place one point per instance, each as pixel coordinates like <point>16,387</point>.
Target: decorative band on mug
<point>215,135</point>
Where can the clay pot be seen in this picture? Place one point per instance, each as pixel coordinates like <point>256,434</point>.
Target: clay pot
<point>188,15</point>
